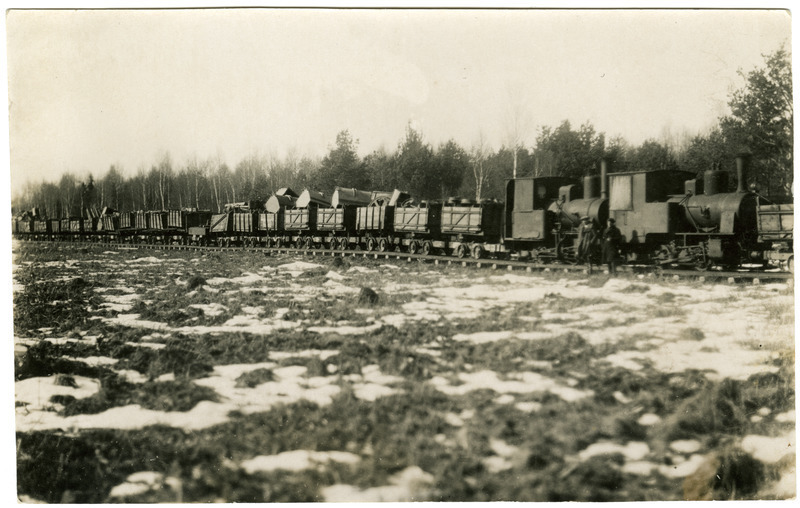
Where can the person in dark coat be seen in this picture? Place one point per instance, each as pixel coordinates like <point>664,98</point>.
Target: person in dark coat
<point>587,237</point>
<point>611,240</point>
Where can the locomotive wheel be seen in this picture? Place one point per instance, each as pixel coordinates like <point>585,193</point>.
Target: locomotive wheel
<point>413,247</point>
<point>371,243</point>
<point>477,251</point>
<point>427,248</point>
<point>662,255</point>
<point>383,245</point>
<point>702,265</point>
<point>462,251</point>
<point>566,254</point>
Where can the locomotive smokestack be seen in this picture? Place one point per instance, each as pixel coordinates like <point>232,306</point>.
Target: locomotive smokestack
<point>604,178</point>
<point>590,184</point>
<point>742,161</point>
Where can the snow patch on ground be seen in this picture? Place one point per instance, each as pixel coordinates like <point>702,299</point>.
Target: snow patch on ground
<point>291,384</point>
<point>36,392</point>
<point>297,460</point>
<point>210,309</point>
<point>409,485</point>
<point>149,259</point>
<point>769,450</point>
<point>632,451</point>
<point>521,382</point>
<point>245,278</point>
<point>346,330</point>
<point>298,268</point>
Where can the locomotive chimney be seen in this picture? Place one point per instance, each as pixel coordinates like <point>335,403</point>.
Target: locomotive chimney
<point>604,178</point>
<point>590,184</point>
<point>742,161</point>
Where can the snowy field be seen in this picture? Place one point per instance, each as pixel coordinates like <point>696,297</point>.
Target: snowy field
<point>148,376</point>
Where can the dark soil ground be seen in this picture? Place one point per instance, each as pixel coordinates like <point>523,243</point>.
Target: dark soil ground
<point>149,376</point>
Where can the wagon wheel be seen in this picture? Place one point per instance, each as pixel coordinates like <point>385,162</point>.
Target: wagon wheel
<point>427,248</point>
<point>342,244</point>
<point>462,251</point>
<point>383,245</point>
<point>278,242</point>
<point>413,247</point>
<point>477,251</point>
<point>307,243</point>
<point>371,244</point>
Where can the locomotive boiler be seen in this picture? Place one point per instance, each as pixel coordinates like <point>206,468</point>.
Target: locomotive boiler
<point>716,226</point>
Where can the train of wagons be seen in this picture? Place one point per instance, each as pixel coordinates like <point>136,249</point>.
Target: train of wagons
<point>666,217</point>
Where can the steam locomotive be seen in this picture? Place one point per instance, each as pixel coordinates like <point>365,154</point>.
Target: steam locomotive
<point>666,217</point>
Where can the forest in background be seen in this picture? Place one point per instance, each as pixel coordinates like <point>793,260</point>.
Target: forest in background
<point>760,123</point>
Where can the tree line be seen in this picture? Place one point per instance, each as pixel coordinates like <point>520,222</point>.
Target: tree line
<point>760,123</point>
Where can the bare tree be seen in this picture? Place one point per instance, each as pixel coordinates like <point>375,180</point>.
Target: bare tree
<point>518,121</point>
<point>141,177</point>
<point>477,158</point>
<point>67,186</point>
<point>164,179</point>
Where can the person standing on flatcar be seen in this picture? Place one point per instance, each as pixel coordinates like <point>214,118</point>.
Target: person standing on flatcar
<point>611,240</point>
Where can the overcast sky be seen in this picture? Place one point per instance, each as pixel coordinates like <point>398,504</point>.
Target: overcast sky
<point>88,89</point>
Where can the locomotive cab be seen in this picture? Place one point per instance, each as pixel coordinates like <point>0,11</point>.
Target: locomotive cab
<point>527,203</point>
<point>639,202</point>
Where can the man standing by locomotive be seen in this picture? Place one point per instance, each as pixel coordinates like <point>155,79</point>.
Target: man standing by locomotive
<point>611,239</point>
<point>586,236</point>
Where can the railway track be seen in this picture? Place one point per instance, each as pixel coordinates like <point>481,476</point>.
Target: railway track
<point>743,276</point>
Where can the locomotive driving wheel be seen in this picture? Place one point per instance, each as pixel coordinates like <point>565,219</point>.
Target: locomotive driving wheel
<point>565,252</point>
<point>663,255</point>
<point>702,264</point>
<point>700,259</point>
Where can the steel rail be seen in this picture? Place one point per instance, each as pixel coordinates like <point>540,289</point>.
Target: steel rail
<point>441,260</point>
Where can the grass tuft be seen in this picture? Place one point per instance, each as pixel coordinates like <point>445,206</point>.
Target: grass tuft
<point>195,281</point>
<point>254,378</point>
<point>368,296</point>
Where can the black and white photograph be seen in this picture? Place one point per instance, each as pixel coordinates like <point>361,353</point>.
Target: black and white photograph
<point>364,253</point>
